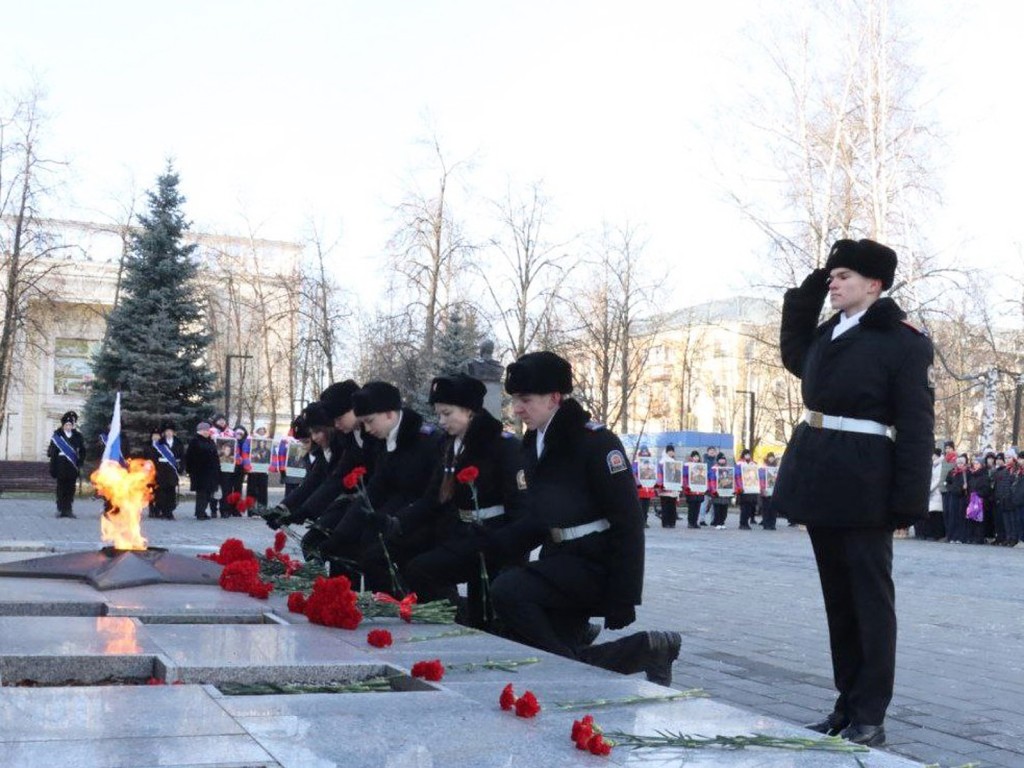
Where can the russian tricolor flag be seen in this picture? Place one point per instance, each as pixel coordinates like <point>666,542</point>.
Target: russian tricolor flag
<point>112,449</point>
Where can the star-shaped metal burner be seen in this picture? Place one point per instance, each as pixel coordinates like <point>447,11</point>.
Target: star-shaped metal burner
<point>110,568</point>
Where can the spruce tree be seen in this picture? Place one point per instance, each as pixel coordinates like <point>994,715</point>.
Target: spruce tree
<point>456,344</point>
<point>154,351</point>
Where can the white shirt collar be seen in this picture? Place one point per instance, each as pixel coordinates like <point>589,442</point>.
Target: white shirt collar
<point>542,432</point>
<point>393,434</point>
<point>846,323</point>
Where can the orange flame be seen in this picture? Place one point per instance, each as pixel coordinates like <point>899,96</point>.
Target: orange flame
<point>128,491</point>
<point>120,635</point>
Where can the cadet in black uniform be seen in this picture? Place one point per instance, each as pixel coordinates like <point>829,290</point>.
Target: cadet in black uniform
<point>66,452</point>
<point>475,440</point>
<point>582,506</point>
<point>401,461</point>
<point>168,454</point>
<point>859,465</point>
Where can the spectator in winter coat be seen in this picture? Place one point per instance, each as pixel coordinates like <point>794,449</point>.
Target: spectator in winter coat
<point>956,483</point>
<point>66,452</point>
<point>747,496</point>
<point>669,512</point>
<point>203,467</point>
<point>933,527</point>
<point>721,497</point>
<point>768,515</point>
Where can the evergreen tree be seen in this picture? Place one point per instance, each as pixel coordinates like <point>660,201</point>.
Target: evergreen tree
<point>154,351</point>
<point>456,344</point>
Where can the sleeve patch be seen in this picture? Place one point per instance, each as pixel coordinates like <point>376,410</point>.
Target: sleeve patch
<point>521,479</point>
<point>616,462</point>
<point>930,375</point>
<point>595,426</point>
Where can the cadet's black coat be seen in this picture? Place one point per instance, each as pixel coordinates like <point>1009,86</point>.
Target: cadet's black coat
<point>348,451</point>
<point>498,458</point>
<point>202,464</point>
<point>572,483</point>
<point>877,370</point>
<point>399,477</point>
<point>60,466</point>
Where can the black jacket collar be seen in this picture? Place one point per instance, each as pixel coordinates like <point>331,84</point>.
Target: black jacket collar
<point>563,428</point>
<point>409,429</point>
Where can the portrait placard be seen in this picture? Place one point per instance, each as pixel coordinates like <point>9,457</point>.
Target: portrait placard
<point>259,454</point>
<point>226,453</point>
<point>770,474</point>
<point>697,477</point>
<point>646,471</point>
<point>296,466</point>
<point>751,480</point>
<point>672,475</point>
<point>726,479</point>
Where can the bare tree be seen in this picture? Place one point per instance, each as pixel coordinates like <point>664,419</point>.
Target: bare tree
<point>27,249</point>
<point>430,248</point>
<point>614,325</point>
<point>525,280</point>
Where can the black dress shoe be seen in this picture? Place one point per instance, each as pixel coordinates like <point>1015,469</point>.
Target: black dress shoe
<point>831,725</point>
<point>867,735</point>
<point>663,650</point>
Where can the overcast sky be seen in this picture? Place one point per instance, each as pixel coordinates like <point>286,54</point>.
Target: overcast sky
<point>283,111</point>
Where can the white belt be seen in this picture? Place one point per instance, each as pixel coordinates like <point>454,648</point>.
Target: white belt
<point>473,516</point>
<point>846,424</point>
<point>558,535</point>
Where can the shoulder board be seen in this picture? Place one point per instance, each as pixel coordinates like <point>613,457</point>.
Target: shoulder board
<point>508,435</point>
<point>428,429</point>
<point>914,328</point>
<point>594,426</point>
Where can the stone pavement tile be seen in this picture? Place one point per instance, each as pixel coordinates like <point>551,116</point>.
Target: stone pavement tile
<point>1004,741</point>
<point>110,712</point>
<point>995,758</point>
<point>72,636</point>
<point>139,752</point>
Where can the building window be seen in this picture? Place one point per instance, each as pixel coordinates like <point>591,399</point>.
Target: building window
<point>72,365</point>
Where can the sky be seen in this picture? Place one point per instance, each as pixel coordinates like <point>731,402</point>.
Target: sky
<point>279,114</point>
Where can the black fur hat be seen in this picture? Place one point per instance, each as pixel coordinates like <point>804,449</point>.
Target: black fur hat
<point>69,416</point>
<point>167,424</point>
<point>376,397</point>
<point>539,373</point>
<point>337,398</point>
<point>300,431</point>
<point>460,389</point>
<point>867,257</point>
<point>316,416</point>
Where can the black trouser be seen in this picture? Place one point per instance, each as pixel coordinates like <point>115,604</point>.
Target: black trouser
<point>165,500</point>
<point>693,510</point>
<point>258,487</point>
<point>721,514</point>
<point>435,574</point>
<point>227,483</point>
<point>548,604</point>
<point>669,513</point>
<point>205,499</point>
<point>855,568</point>
<point>748,508</point>
<point>65,494</point>
<point>645,506</point>
<point>768,515</point>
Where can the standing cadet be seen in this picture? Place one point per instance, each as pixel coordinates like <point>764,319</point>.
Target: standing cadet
<point>66,453</point>
<point>168,455</point>
<point>847,475</point>
<point>582,506</point>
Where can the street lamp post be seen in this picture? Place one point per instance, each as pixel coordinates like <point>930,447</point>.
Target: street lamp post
<point>227,383</point>
<point>749,417</point>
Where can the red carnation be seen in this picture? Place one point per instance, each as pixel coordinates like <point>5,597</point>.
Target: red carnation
<point>260,589</point>
<point>379,638</point>
<point>582,730</point>
<point>428,670</point>
<point>279,540</point>
<point>156,681</point>
<point>527,705</point>
<point>240,575</point>
<point>246,504</point>
<point>270,553</point>
<point>598,746</point>
<point>468,475</point>
<point>297,602</point>
<point>351,480</point>
<point>507,700</point>
<point>230,551</point>
<point>232,498</point>
<point>333,603</point>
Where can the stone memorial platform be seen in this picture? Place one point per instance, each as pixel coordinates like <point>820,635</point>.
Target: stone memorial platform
<point>75,666</point>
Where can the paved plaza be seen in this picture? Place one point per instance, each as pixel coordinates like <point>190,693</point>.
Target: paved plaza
<point>749,608</point>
